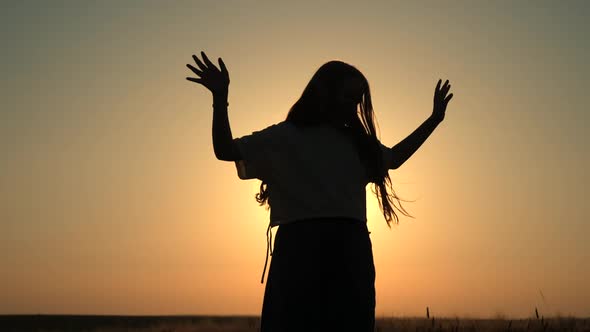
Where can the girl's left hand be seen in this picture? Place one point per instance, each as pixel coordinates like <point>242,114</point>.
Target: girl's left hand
<point>441,100</point>
<point>214,79</point>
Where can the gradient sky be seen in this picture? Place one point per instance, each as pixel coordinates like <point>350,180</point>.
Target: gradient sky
<point>112,201</point>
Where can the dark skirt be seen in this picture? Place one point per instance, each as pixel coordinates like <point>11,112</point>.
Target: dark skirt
<point>321,278</point>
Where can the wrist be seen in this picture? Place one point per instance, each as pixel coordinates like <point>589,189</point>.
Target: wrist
<point>435,119</point>
<point>220,100</point>
<point>219,105</point>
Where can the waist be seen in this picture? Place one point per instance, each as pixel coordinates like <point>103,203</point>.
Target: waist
<point>305,225</point>
<point>324,220</point>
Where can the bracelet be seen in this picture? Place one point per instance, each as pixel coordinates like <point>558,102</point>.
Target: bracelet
<point>217,105</point>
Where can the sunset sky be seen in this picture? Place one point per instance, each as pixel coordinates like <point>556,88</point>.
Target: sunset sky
<point>112,201</point>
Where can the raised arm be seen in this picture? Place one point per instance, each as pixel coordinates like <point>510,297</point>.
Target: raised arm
<point>217,81</point>
<point>223,143</point>
<point>406,148</point>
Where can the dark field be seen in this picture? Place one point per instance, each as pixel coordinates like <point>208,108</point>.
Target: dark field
<point>23,323</point>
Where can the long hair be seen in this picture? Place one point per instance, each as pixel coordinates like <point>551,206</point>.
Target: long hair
<point>339,94</point>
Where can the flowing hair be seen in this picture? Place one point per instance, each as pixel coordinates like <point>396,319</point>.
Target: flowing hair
<point>324,100</point>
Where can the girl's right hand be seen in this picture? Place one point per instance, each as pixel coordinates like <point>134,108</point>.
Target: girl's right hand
<point>217,81</point>
<point>441,100</point>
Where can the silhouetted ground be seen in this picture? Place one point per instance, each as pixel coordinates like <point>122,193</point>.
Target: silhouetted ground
<point>25,323</point>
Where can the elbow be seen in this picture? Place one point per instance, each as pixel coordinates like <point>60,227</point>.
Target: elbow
<point>220,154</point>
<point>226,153</point>
<point>226,156</point>
<point>223,156</point>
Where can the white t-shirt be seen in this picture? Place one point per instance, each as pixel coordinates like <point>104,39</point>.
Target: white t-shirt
<point>310,172</point>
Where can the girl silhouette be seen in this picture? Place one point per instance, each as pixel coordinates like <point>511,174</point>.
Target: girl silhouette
<point>314,167</point>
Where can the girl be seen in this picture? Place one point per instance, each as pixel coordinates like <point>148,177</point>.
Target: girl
<point>314,168</point>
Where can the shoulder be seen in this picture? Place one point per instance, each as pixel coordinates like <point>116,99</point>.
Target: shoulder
<point>279,126</point>
<point>285,125</point>
<point>283,128</point>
